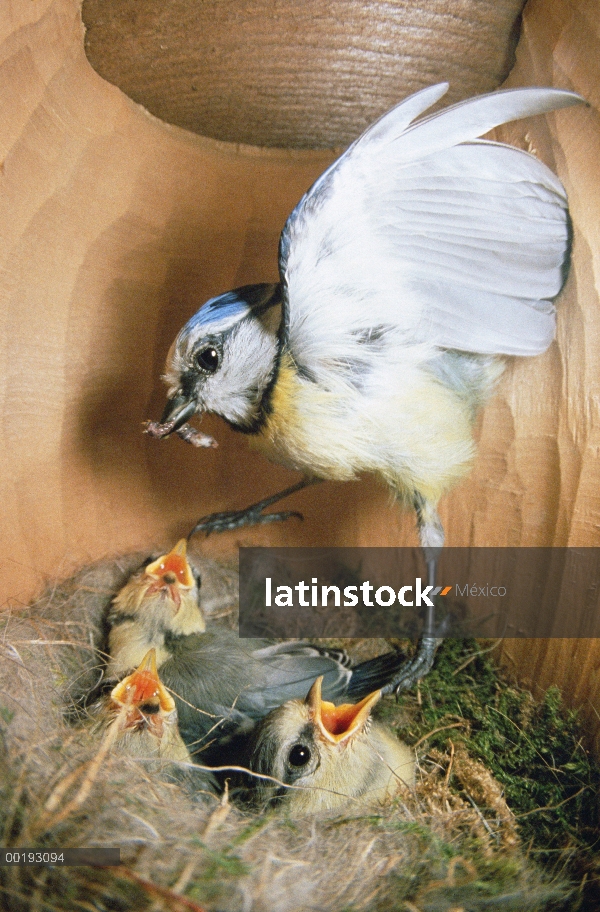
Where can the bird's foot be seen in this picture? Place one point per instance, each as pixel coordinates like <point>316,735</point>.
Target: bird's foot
<point>251,516</point>
<point>416,668</point>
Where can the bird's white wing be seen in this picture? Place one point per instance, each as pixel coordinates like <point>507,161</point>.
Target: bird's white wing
<point>424,231</point>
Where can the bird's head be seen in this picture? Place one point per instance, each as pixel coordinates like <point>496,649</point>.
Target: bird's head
<point>170,575</point>
<point>164,593</point>
<point>143,701</point>
<point>224,359</point>
<point>305,742</point>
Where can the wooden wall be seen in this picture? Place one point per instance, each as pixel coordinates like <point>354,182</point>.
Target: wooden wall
<point>559,45</point>
<point>114,227</point>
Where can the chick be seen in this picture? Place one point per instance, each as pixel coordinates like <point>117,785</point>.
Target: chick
<point>222,684</point>
<point>332,755</point>
<point>143,717</point>
<point>142,611</point>
<point>146,715</point>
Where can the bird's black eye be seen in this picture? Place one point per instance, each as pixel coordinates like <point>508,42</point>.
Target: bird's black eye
<point>299,755</point>
<point>208,359</point>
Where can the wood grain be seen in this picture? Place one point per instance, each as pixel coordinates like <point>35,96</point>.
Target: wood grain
<point>559,44</point>
<point>307,74</point>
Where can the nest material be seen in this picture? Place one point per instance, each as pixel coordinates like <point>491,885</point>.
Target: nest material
<point>428,850</point>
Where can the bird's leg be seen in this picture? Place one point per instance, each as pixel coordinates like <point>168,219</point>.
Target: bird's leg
<point>252,515</point>
<point>431,534</point>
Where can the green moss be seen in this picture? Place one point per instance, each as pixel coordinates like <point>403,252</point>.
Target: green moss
<point>533,749</point>
<point>475,883</point>
<point>223,863</point>
<point>256,824</point>
<point>6,714</point>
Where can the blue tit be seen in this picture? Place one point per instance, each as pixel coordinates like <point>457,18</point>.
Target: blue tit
<point>221,684</point>
<point>146,715</point>
<point>414,261</point>
<point>330,755</point>
<point>142,716</point>
<point>142,610</point>
<point>419,259</point>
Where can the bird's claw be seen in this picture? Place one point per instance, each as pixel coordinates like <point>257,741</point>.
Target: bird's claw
<point>252,515</point>
<point>227,522</point>
<point>416,668</point>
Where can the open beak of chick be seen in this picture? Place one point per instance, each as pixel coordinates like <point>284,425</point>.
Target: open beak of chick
<point>171,573</point>
<point>339,724</point>
<point>144,697</point>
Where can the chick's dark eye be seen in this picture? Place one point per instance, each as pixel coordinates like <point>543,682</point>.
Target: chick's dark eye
<point>299,755</point>
<point>208,359</point>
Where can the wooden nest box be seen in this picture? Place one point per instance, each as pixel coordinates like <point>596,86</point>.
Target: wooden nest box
<point>116,225</point>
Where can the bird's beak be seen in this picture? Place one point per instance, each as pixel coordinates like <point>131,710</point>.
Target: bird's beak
<point>178,411</point>
<point>173,567</point>
<point>339,723</point>
<point>143,686</point>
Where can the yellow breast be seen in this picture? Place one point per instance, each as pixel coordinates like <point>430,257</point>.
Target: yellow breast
<point>416,433</point>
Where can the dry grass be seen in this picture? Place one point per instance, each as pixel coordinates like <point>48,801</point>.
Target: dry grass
<point>449,845</point>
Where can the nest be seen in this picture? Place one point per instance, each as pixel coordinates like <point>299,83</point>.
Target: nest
<point>451,844</point>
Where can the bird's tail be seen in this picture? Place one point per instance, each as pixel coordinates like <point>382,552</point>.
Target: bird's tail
<point>374,674</point>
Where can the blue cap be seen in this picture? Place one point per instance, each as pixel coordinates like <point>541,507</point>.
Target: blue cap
<point>227,309</point>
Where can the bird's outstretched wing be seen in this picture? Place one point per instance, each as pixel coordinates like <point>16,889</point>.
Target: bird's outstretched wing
<point>423,231</point>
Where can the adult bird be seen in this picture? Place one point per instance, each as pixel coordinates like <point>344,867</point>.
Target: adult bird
<point>326,756</point>
<point>414,263</point>
<point>222,685</point>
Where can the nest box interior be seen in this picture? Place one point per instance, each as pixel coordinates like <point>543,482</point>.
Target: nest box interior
<point>123,209</point>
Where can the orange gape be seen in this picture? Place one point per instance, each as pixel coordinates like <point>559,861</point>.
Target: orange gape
<point>340,720</point>
<point>143,686</point>
<point>338,723</point>
<point>174,565</point>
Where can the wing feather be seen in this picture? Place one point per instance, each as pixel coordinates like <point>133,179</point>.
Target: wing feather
<point>446,240</point>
